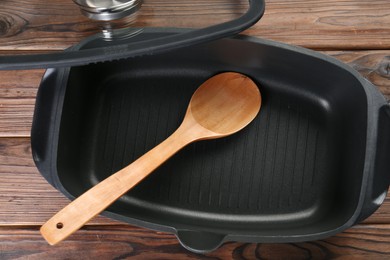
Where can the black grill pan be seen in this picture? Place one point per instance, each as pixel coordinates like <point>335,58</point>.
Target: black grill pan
<point>313,163</point>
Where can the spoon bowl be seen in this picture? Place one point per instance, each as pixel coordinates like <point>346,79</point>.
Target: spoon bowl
<point>226,103</point>
<point>222,105</point>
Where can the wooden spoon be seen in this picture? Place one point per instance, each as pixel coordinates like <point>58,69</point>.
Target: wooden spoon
<point>221,106</point>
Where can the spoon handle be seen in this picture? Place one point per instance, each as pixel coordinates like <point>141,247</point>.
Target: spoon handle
<point>102,195</point>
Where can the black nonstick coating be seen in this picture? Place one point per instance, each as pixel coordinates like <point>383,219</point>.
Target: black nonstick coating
<point>295,173</point>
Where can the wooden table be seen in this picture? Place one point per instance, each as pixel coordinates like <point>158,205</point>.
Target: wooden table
<point>354,31</point>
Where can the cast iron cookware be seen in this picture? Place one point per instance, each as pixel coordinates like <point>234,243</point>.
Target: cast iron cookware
<point>313,163</point>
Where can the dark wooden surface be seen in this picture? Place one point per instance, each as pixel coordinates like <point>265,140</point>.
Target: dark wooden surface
<point>122,242</point>
<point>356,32</point>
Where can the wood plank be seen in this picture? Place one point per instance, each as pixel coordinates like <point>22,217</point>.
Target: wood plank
<point>18,88</point>
<point>17,100</point>
<point>27,199</point>
<point>333,24</point>
<point>25,196</point>
<point>123,242</point>
<point>346,24</point>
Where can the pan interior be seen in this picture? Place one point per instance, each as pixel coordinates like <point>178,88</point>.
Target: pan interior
<point>295,170</point>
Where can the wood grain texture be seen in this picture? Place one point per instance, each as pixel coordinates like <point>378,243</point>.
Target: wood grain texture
<point>27,199</point>
<point>25,196</point>
<point>125,242</point>
<point>333,24</point>
<point>17,99</point>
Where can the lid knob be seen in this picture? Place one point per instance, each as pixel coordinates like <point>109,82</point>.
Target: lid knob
<point>107,10</point>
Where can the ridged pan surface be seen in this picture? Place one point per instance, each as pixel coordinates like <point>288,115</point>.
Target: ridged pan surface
<point>295,170</point>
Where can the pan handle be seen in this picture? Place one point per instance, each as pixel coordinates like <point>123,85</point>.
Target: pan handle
<point>381,176</point>
<point>379,179</point>
<point>199,242</point>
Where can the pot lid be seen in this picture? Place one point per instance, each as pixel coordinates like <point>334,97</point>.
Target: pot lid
<point>124,47</point>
